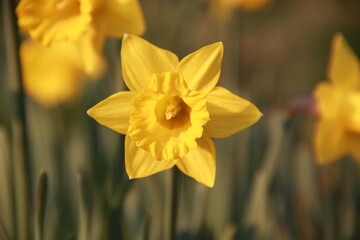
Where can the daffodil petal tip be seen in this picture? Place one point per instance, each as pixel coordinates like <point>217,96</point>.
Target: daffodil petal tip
<point>261,114</point>
<point>125,35</point>
<point>90,112</point>
<point>130,177</point>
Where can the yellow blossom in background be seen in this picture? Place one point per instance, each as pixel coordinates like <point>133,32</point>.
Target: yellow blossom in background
<point>53,20</point>
<point>85,22</point>
<point>249,5</point>
<point>172,110</point>
<point>223,8</point>
<point>338,128</point>
<point>52,75</point>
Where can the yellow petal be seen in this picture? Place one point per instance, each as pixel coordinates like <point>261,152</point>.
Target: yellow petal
<point>329,142</point>
<point>229,113</point>
<point>139,162</point>
<point>49,21</point>
<point>51,75</point>
<point>201,69</point>
<point>344,66</point>
<point>114,111</point>
<point>329,100</point>
<point>140,60</point>
<point>353,141</point>
<point>168,83</point>
<point>90,47</point>
<point>200,163</point>
<point>222,8</point>
<point>121,16</point>
<point>350,112</point>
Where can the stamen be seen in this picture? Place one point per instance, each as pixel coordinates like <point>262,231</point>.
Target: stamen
<point>168,115</point>
<point>171,111</point>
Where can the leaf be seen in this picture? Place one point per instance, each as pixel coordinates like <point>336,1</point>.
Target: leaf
<point>40,203</point>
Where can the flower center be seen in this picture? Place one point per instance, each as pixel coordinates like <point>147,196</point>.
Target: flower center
<point>172,110</point>
<point>167,117</point>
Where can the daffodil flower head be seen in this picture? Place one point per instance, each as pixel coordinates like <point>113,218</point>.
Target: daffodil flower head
<point>85,23</point>
<point>223,8</point>
<point>337,130</point>
<point>172,110</point>
<point>61,82</point>
<point>50,21</point>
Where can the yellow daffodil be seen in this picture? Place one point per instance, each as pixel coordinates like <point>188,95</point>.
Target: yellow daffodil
<point>250,5</point>
<point>338,128</point>
<point>172,110</point>
<point>86,23</point>
<point>52,75</point>
<point>53,20</point>
<point>223,8</point>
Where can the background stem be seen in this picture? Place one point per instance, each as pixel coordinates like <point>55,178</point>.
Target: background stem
<point>20,149</point>
<point>173,196</point>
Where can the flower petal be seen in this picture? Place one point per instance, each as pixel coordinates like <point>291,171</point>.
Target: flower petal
<point>139,162</point>
<point>200,163</point>
<point>223,8</point>
<point>329,141</point>
<point>229,113</point>
<point>114,111</point>
<point>90,47</point>
<point>50,21</point>
<point>121,16</point>
<point>344,66</point>
<point>53,85</point>
<point>140,60</point>
<point>350,112</point>
<point>201,69</point>
<point>329,100</point>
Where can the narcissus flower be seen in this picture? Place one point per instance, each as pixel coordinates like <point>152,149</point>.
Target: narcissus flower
<point>172,110</point>
<point>51,75</point>
<point>53,20</point>
<point>338,127</point>
<point>84,22</point>
<point>223,8</point>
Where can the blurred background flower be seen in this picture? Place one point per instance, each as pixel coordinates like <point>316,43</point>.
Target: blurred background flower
<point>338,128</point>
<point>60,24</point>
<point>52,75</point>
<point>224,8</point>
<point>51,21</point>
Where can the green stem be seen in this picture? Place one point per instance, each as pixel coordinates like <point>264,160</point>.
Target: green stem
<point>20,145</point>
<point>84,208</point>
<point>41,196</point>
<point>2,232</point>
<point>170,234</point>
<point>147,228</point>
